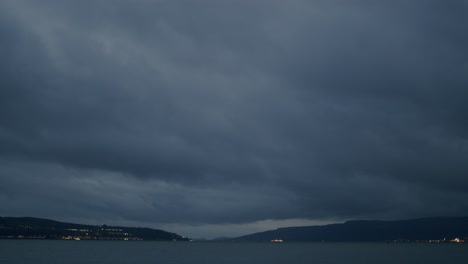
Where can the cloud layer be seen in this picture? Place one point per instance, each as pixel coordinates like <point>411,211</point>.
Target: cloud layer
<point>221,112</point>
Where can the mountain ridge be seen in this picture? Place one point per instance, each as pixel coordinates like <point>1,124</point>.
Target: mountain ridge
<point>41,228</point>
<point>419,229</point>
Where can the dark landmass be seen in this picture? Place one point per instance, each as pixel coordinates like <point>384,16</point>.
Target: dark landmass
<point>440,229</point>
<point>36,228</point>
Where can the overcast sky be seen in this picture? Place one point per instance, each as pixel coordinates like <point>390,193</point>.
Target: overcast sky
<point>221,118</point>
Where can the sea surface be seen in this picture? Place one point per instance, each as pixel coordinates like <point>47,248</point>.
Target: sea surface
<point>104,252</point>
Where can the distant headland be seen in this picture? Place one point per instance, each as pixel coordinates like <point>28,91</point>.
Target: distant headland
<point>37,228</point>
<point>437,230</point>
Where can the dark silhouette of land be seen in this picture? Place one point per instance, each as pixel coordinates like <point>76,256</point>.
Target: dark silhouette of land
<point>439,229</point>
<point>36,228</point>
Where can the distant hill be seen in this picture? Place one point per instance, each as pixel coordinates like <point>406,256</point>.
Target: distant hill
<point>30,227</point>
<point>424,229</point>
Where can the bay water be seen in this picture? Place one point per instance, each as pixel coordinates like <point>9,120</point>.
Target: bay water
<point>106,252</point>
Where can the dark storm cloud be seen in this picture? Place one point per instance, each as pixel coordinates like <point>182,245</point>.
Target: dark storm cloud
<point>220,111</point>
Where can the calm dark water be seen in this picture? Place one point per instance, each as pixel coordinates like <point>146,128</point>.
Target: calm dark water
<point>44,251</point>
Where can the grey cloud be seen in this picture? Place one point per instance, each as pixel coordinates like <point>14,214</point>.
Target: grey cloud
<point>250,110</point>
